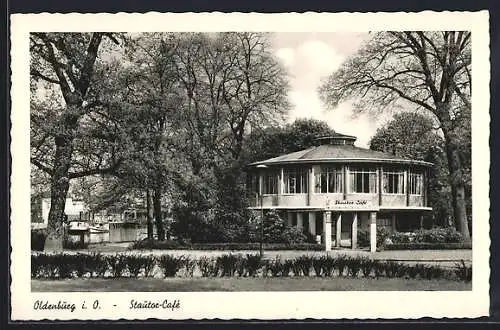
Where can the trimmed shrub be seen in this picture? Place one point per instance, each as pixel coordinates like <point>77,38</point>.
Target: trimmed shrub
<point>328,264</point>
<point>252,263</point>
<point>428,246</point>
<point>305,264</point>
<point>150,262</point>
<point>286,267</point>
<point>366,266</point>
<point>228,264</point>
<point>38,237</point>
<point>354,266</point>
<point>341,264</point>
<point>170,265</point>
<point>117,264</point>
<point>135,264</point>
<point>36,266</point>
<point>463,272</point>
<point>275,266</point>
<point>208,267</point>
<point>378,268</point>
<point>190,266</point>
<point>317,264</point>
<point>175,245</point>
<point>438,235</point>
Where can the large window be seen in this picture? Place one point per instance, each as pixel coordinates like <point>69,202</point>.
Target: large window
<point>329,180</point>
<point>363,180</point>
<point>295,181</point>
<point>252,184</point>
<point>416,183</point>
<point>270,183</point>
<point>394,182</point>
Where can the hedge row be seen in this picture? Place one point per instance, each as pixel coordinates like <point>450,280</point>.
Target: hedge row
<point>61,265</point>
<point>176,245</point>
<point>428,246</point>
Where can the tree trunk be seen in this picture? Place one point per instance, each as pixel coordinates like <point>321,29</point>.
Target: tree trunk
<point>58,192</point>
<point>149,214</point>
<point>457,185</point>
<point>160,230</point>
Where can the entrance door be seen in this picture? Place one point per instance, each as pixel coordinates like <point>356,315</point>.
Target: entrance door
<point>346,229</point>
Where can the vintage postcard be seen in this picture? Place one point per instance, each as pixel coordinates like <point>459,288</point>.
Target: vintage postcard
<point>250,166</point>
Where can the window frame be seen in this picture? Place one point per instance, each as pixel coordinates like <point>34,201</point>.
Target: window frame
<point>396,174</point>
<point>370,171</point>
<point>301,179</point>
<point>419,183</point>
<point>325,174</point>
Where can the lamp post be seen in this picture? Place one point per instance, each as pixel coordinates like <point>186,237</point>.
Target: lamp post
<point>261,197</point>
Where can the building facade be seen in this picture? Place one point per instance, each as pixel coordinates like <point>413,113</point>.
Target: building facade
<point>335,188</point>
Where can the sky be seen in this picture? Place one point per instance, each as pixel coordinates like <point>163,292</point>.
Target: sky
<point>311,57</point>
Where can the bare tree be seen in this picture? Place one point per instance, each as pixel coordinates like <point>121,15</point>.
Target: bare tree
<point>427,71</point>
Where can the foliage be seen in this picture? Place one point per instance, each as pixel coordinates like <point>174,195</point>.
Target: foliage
<point>170,265</point>
<point>208,266</point>
<point>38,237</point>
<point>117,264</point>
<point>428,246</point>
<point>176,245</point>
<point>425,71</point>
<point>252,263</point>
<point>275,141</point>
<point>228,264</point>
<point>463,272</point>
<point>69,265</point>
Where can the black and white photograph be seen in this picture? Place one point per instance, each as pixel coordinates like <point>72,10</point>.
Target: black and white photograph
<point>246,157</point>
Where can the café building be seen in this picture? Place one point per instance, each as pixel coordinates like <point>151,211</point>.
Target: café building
<point>335,188</point>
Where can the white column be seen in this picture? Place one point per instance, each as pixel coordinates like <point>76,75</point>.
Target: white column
<point>339,230</point>
<point>327,229</point>
<point>354,238</point>
<point>312,224</point>
<point>373,231</point>
<point>300,220</point>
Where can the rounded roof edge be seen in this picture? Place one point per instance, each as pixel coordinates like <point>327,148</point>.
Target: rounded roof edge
<point>342,160</point>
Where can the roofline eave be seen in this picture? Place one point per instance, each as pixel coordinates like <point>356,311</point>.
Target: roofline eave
<point>342,160</point>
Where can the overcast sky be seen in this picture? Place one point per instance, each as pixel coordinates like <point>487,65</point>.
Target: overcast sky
<point>309,57</point>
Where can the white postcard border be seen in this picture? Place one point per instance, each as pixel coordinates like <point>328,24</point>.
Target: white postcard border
<point>251,305</point>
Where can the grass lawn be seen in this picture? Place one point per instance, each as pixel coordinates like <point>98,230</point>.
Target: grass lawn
<point>246,284</point>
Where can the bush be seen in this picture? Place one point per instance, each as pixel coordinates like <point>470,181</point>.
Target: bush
<point>354,266</point>
<point>366,266</point>
<point>275,266</point>
<point>341,264</point>
<point>117,264</point>
<point>208,267</point>
<point>228,264</point>
<point>190,266</point>
<point>382,236</point>
<point>317,264</point>
<point>176,245</point>
<point>170,265</point>
<point>463,272</point>
<point>252,263</point>
<point>438,235</point>
<point>328,264</point>
<point>36,266</point>
<point>304,264</point>
<point>135,263</point>
<point>38,237</point>
<point>428,246</point>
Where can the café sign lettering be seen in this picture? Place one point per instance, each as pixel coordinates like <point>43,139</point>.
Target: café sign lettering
<point>355,204</point>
